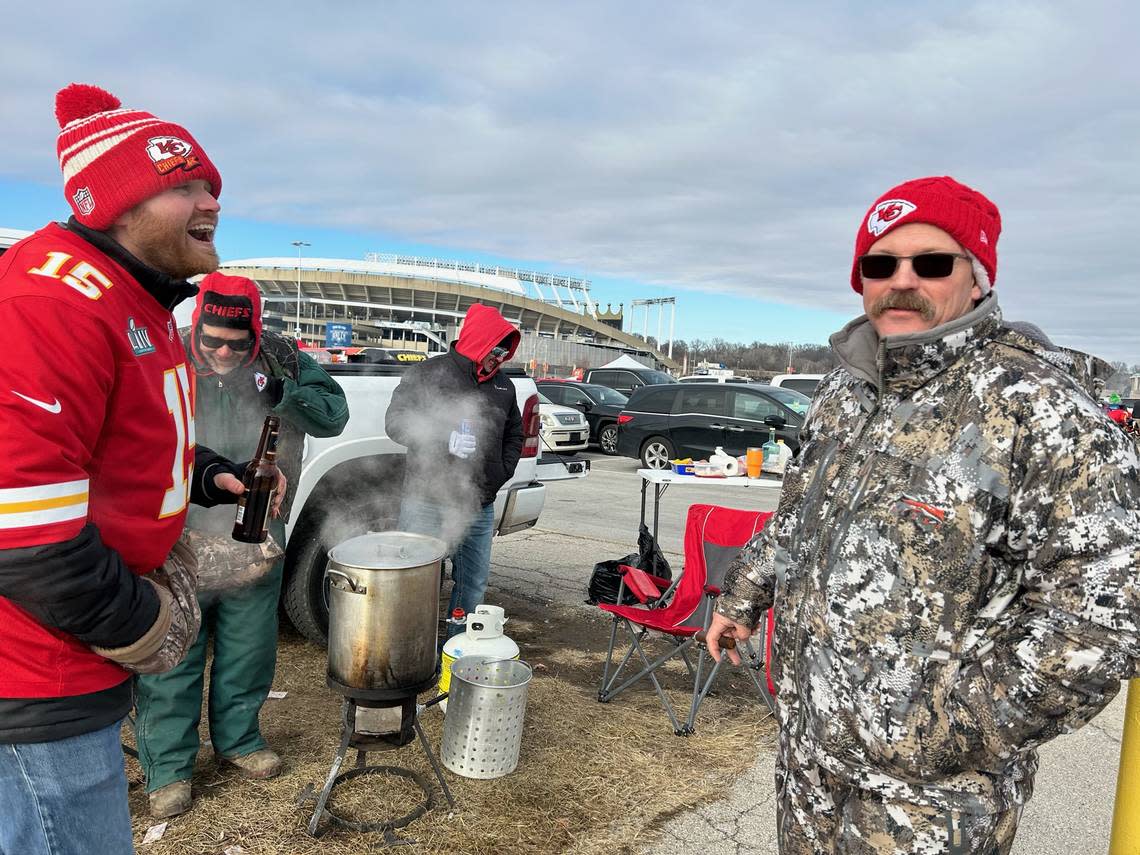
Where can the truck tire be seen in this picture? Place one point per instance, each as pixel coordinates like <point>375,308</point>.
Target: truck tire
<point>372,492</point>
<point>305,591</point>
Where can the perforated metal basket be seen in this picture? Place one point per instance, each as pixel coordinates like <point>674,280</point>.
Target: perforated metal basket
<point>482,733</point>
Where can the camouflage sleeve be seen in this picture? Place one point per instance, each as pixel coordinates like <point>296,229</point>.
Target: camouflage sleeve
<point>1074,522</point>
<point>750,582</point>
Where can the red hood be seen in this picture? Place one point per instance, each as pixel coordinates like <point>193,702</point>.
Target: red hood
<point>225,286</point>
<point>484,328</point>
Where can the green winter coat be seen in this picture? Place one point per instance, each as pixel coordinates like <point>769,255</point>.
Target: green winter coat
<point>230,410</point>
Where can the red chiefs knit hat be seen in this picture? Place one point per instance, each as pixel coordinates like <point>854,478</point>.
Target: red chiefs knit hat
<point>113,159</point>
<point>960,211</point>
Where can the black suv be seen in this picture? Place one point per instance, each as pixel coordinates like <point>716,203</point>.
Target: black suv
<point>600,404</point>
<point>692,419</point>
<point>625,380</point>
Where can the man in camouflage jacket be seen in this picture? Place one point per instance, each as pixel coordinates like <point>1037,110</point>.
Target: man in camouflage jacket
<point>953,559</point>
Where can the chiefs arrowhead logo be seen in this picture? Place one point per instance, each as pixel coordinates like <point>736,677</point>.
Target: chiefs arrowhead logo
<point>170,153</point>
<point>260,381</point>
<point>887,213</point>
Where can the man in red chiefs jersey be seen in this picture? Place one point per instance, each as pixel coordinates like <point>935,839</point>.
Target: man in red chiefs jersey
<point>97,466</point>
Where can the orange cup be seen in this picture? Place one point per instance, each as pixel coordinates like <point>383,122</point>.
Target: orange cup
<point>754,462</point>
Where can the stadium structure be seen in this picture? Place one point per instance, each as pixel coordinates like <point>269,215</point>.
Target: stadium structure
<point>416,303</point>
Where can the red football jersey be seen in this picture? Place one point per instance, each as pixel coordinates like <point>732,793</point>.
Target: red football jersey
<point>96,424</point>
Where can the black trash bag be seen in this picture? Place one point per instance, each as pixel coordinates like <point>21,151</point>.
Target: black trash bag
<point>606,579</point>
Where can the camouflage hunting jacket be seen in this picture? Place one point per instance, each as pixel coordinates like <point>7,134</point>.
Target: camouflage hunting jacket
<point>952,563</point>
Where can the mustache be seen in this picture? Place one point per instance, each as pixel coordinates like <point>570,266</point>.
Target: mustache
<point>908,300</point>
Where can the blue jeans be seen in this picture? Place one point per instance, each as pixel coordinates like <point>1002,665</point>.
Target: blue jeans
<point>67,797</point>
<point>471,558</point>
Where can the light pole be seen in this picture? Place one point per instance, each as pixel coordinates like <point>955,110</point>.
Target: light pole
<point>299,244</point>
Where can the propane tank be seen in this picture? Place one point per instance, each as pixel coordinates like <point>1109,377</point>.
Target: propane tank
<point>483,637</point>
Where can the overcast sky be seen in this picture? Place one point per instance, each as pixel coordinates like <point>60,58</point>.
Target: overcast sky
<point>720,152</point>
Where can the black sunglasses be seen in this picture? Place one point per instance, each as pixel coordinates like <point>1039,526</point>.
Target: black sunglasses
<point>927,265</point>
<point>499,352</point>
<point>240,345</point>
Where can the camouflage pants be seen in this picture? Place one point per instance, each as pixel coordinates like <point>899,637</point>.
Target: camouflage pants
<point>818,815</point>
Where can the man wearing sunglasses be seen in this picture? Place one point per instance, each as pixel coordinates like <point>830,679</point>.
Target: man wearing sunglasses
<point>953,560</point>
<point>458,416</point>
<point>244,373</point>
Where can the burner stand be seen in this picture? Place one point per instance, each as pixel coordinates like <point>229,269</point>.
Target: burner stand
<point>365,742</point>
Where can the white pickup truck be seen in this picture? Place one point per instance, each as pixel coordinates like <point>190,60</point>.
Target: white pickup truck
<point>352,483</point>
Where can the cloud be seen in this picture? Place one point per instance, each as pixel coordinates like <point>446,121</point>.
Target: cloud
<point>728,148</point>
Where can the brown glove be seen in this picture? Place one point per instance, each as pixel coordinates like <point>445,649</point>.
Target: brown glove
<point>165,644</point>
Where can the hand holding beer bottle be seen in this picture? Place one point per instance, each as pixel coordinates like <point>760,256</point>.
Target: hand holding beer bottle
<point>263,485</point>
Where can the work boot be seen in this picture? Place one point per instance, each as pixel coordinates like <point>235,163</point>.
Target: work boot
<point>171,800</point>
<point>263,763</point>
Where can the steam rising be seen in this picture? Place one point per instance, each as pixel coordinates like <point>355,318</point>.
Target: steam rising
<point>429,478</point>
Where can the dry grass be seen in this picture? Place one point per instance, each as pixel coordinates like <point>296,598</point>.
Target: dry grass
<point>592,778</point>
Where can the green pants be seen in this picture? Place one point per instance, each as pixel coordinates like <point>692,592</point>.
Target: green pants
<point>243,624</point>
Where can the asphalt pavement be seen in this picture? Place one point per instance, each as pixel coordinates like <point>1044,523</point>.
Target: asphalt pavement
<point>595,518</point>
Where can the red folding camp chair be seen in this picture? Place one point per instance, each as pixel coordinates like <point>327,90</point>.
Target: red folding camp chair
<point>713,537</point>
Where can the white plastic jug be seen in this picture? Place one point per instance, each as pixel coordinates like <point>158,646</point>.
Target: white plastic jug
<point>781,459</point>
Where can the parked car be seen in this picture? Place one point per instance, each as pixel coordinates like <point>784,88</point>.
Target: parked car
<point>691,419</point>
<point>561,428</point>
<point>803,383</point>
<point>600,405</point>
<point>625,380</point>
<point>708,378</point>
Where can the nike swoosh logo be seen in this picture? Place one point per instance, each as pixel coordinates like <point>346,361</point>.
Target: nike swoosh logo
<point>54,407</point>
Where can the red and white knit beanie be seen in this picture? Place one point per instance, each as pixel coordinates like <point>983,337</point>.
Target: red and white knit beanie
<point>960,211</point>
<point>113,159</point>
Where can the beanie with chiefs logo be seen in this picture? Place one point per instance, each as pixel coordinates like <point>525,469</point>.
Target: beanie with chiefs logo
<point>960,211</point>
<point>114,158</point>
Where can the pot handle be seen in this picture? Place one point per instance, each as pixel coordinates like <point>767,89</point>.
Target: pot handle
<point>352,586</point>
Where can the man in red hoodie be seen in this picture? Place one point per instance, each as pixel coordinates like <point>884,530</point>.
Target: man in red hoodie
<point>99,463</point>
<point>458,416</point>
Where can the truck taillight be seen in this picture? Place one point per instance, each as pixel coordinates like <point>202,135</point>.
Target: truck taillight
<point>624,418</point>
<point>531,427</point>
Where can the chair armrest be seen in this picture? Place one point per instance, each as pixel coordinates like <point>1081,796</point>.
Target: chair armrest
<point>641,584</point>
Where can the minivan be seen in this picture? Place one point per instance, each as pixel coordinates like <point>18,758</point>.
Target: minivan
<point>661,423</point>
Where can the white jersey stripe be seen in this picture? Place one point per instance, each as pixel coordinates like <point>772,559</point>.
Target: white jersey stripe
<point>44,517</point>
<point>46,491</point>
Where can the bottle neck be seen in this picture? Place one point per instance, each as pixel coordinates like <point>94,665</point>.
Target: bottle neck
<point>270,452</point>
<point>267,442</point>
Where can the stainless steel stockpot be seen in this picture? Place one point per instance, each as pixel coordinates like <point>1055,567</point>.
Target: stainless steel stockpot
<point>384,613</point>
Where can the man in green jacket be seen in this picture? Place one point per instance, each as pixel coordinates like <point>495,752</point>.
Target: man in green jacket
<point>953,561</point>
<point>243,375</point>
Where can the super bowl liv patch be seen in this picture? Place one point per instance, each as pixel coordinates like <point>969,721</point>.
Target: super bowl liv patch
<point>139,338</point>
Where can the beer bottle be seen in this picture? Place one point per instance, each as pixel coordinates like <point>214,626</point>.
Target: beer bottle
<point>260,480</point>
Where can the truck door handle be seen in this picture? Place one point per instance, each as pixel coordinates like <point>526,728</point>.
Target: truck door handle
<point>735,428</point>
<point>718,427</point>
